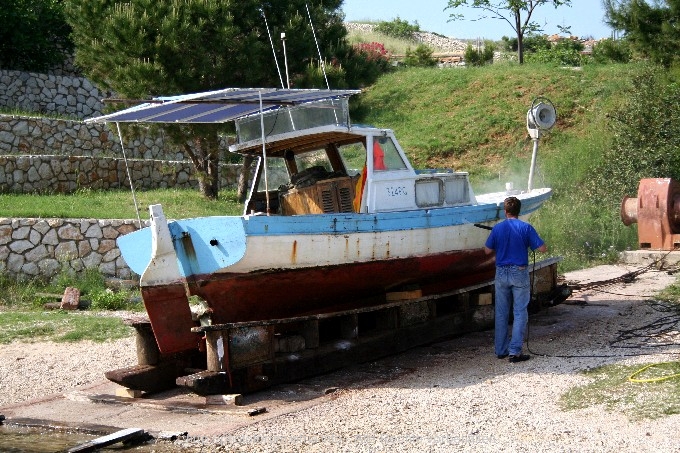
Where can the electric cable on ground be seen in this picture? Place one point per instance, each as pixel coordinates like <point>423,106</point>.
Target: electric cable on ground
<point>652,330</point>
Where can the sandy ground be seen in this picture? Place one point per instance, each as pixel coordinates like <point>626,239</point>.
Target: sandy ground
<point>450,396</point>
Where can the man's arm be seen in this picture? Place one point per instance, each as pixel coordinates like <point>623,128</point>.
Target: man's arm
<point>543,248</point>
<point>489,251</point>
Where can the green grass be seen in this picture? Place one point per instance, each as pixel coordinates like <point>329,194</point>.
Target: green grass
<point>118,204</point>
<point>59,326</point>
<point>23,318</point>
<point>610,387</point>
<point>11,111</point>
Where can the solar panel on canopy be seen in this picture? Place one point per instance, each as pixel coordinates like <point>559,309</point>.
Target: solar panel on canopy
<point>217,106</point>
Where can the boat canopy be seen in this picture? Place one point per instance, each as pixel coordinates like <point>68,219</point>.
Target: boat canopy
<point>219,106</point>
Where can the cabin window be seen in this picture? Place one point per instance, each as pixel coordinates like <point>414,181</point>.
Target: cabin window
<point>354,157</point>
<point>457,189</point>
<point>277,174</point>
<point>386,156</point>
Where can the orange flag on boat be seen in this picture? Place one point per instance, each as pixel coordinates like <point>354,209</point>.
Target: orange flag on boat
<point>359,190</point>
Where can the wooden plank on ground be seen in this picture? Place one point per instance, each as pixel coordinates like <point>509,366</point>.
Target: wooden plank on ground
<point>105,441</point>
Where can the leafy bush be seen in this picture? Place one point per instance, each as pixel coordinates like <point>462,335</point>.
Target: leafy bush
<point>532,43</point>
<point>313,77</point>
<point>421,57</point>
<point>646,137</point>
<point>474,57</point>
<point>398,28</point>
<point>612,51</point>
<point>111,300</point>
<point>566,52</point>
<point>373,50</point>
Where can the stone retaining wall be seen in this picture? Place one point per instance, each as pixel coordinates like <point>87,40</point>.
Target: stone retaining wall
<point>46,247</point>
<point>37,135</point>
<point>51,94</point>
<point>60,174</point>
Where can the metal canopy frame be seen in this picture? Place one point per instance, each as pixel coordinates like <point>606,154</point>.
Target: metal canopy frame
<point>214,107</point>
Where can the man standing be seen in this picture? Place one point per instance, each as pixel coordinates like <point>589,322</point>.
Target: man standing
<point>510,240</point>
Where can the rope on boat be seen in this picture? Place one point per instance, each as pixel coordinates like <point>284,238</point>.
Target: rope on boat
<point>127,168</point>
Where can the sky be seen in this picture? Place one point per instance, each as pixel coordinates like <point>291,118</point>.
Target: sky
<point>584,16</point>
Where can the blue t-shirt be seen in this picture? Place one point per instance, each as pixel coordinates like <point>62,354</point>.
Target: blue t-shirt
<point>510,239</point>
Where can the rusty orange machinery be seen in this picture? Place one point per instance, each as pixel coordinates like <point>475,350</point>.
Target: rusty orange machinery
<point>656,210</point>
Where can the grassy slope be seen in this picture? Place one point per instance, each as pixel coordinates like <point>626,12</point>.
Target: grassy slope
<point>474,119</point>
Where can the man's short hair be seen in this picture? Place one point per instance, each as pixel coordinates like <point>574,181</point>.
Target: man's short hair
<point>512,206</point>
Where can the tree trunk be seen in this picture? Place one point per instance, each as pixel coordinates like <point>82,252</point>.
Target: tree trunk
<point>520,37</point>
<point>213,183</point>
<point>206,162</point>
<point>243,178</point>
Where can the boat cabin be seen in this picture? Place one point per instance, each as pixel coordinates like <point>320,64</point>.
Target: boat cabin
<point>315,162</point>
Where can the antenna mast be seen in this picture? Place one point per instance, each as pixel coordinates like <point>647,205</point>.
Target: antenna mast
<point>323,64</point>
<point>271,41</point>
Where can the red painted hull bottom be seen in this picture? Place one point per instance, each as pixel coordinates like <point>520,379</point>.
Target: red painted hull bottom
<point>289,293</point>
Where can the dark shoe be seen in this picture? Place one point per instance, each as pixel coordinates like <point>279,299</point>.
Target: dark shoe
<point>502,356</point>
<point>518,358</point>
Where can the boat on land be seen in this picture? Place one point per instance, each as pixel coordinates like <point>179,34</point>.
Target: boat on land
<point>336,219</point>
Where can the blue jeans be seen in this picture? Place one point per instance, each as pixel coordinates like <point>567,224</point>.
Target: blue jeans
<point>512,293</point>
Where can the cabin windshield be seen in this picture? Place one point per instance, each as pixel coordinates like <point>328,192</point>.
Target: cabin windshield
<point>316,158</point>
<point>386,157</point>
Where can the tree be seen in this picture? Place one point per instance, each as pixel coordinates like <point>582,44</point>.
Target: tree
<point>517,13</point>
<point>421,57</point>
<point>398,28</point>
<point>651,30</point>
<point>34,34</point>
<point>477,57</point>
<point>142,48</point>
<point>646,137</point>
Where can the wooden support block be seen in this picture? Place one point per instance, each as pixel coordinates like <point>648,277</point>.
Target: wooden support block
<point>484,299</point>
<point>124,392</point>
<point>148,378</point>
<point>224,400</point>
<point>147,348</point>
<point>217,350</point>
<point>544,280</point>
<point>404,295</point>
<point>205,382</point>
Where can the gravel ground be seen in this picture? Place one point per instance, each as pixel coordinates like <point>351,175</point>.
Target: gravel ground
<point>450,396</point>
